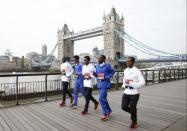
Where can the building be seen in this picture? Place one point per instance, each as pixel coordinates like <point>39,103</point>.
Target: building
<point>44,50</point>
<point>95,52</point>
<point>17,64</point>
<point>8,53</point>
<point>4,59</point>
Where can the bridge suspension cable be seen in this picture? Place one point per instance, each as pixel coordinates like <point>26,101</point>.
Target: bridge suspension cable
<point>143,47</point>
<point>140,49</point>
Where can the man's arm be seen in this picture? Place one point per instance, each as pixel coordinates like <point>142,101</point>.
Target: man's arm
<point>140,83</point>
<point>71,70</point>
<point>124,84</point>
<point>111,72</point>
<point>93,70</point>
<point>80,72</point>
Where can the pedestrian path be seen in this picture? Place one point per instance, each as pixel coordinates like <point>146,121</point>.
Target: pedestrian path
<point>160,107</point>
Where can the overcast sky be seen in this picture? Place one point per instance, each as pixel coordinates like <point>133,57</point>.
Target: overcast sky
<point>27,24</point>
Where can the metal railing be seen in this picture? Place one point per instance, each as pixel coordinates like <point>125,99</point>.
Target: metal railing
<point>19,91</point>
<point>155,76</point>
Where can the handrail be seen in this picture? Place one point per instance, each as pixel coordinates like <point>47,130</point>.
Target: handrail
<point>29,74</point>
<point>15,92</point>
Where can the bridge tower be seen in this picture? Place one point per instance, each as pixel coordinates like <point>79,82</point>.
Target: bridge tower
<point>113,44</point>
<point>65,46</point>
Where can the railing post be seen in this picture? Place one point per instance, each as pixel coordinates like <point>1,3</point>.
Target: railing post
<point>117,80</point>
<point>165,75</point>
<point>170,74</point>
<point>174,73</point>
<point>182,73</point>
<point>153,75</point>
<point>46,87</point>
<point>178,73</point>
<point>158,76</point>
<point>146,77</point>
<point>17,103</point>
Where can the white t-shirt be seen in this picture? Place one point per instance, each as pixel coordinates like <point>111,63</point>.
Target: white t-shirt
<point>132,77</point>
<point>87,72</point>
<point>66,71</point>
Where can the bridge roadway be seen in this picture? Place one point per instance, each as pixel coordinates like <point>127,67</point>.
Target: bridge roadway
<point>161,107</point>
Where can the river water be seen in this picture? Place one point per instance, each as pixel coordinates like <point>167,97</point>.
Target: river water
<point>28,83</point>
<point>28,78</point>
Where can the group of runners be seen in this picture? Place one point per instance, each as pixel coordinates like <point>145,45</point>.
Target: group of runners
<point>85,75</point>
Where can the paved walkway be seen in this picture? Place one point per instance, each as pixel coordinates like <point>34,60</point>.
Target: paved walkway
<point>161,107</point>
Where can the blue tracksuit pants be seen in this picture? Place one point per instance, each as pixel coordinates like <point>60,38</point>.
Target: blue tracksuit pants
<point>103,101</point>
<point>78,86</point>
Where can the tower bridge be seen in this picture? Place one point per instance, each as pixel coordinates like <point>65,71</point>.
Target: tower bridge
<point>114,37</point>
<point>98,31</point>
<point>112,42</point>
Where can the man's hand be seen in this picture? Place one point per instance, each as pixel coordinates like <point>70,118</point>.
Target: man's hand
<point>107,78</point>
<point>95,74</point>
<point>128,81</point>
<point>87,76</point>
<point>63,72</point>
<point>75,73</point>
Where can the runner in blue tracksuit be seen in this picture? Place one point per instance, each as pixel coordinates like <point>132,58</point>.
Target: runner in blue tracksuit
<point>78,81</point>
<point>104,72</point>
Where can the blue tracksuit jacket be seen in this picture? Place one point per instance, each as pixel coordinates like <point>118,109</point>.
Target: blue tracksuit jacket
<point>108,72</point>
<point>104,73</point>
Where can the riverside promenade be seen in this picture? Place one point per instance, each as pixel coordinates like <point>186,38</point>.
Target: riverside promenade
<point>161,107</point>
